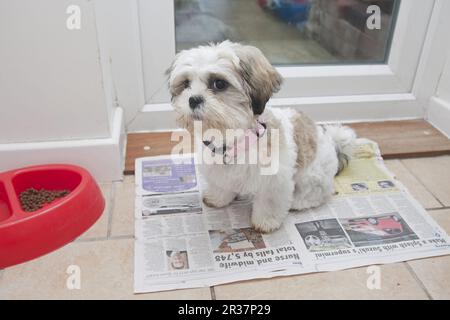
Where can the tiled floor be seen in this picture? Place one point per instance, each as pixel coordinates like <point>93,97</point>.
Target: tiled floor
<point>104,255</point>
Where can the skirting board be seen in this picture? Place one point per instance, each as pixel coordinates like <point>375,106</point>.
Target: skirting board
<point>161,117</point>
<point>103,158</point>
<point>439,115</point>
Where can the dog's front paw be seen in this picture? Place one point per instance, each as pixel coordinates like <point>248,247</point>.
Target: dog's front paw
<point>218,199</point>
<point>266,224</point>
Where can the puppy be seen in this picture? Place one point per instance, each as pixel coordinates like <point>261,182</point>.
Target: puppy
<point>227,86</point>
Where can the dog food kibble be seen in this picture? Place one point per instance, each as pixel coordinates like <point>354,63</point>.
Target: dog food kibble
<point>33,200</point>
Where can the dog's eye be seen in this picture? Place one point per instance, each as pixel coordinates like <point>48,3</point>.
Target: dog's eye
<point>220,85</point>
<point>186,84</point>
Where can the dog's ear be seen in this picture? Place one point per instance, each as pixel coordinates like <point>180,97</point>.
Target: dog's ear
<point>168,75</point>
<point>169,70</point>
<point>261,79</point>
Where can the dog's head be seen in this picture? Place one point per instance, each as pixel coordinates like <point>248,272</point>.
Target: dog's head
<point>225,85</point>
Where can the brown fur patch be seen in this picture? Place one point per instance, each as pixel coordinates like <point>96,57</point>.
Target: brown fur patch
<point>265,148</point>
<point>305,136</point>
<point>262,80</point>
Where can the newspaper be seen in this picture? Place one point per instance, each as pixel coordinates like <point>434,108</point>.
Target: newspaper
<point>180,243</point>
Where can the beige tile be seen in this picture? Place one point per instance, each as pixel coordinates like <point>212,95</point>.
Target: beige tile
<point>434,273</point>
<point>123,212</point>
<point>416,188</point>
<point>100,228</point>
<point>396,283</point>
<point>106,269</point>
<point>442,217</point>
<point>434,173</point>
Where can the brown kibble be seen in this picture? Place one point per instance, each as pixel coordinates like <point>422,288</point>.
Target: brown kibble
<point>33,200</point>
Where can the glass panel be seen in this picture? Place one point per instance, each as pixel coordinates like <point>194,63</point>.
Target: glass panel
<point>293,32</point>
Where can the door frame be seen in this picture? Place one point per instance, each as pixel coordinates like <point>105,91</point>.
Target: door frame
<point>400,89</point>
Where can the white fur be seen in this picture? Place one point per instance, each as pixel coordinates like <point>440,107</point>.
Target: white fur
<point>273,195</point>
<point>290,188</point>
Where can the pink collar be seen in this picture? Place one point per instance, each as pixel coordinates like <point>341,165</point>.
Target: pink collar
<point>230,152</point>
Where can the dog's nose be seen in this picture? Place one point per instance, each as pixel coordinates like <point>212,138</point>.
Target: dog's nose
<point>195,101</point>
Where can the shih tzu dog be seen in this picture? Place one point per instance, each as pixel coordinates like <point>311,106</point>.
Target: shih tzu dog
<point>227,86</point>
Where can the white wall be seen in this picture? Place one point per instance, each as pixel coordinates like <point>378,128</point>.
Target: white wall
<point>51,85</point>
<point>438,112</point>
<point>443,91</point>
<point>119,36</point>
<point>58,102</point>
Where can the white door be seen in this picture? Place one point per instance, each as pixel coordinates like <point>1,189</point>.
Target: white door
<point>342,60</point>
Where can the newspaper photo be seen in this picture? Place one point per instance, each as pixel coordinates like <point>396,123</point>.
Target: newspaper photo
<point>151,205</point>
<point>166,174</point>
<point>181,243</point>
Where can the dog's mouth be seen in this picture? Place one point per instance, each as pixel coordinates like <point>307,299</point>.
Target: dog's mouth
<point>197,115</point>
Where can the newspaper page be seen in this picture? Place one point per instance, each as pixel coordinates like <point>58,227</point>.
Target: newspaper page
<point>180,243</point>
<point>166,175</point>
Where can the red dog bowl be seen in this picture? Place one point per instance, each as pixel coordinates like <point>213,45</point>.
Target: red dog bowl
<point>28,235</point>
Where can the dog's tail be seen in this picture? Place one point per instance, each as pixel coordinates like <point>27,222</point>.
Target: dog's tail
<point>344,140</point>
